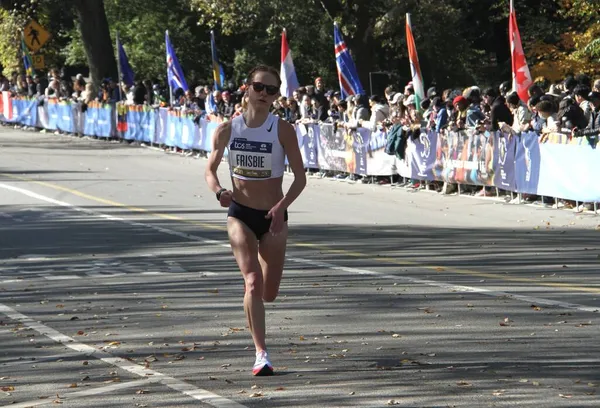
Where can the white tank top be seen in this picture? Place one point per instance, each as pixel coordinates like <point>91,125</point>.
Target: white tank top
<point>255,153</point>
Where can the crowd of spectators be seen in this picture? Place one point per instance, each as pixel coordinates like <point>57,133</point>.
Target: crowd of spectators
<point>571,106</point>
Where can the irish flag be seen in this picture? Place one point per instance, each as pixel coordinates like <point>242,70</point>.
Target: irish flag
<point>289,81</point>
<point>415,68</point>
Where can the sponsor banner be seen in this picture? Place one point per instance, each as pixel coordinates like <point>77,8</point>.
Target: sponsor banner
<point>569,171</point>
<point>465,157</point>
<point>308,136</point>
<point>24,111</point>
<point>104,122</point>
<point>52,104</point>
<point>65,121</point>
<point>503,166</point>
<point>562,166</point>
<point>379,163</point>
<point>160,137</point>
<point>422,156</point>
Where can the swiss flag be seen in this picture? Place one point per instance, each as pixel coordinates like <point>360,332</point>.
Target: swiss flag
<point>520,71</point>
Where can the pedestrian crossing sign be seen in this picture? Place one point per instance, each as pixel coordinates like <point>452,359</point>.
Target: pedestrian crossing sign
<point>35,35</point>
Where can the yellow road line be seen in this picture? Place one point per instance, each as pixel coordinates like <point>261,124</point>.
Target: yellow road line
<point>323,249</point>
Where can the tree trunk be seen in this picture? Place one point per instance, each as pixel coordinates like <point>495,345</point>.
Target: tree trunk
<point>93,25</point>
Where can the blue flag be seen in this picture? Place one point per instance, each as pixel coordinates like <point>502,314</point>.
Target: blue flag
<point>347,74</point>
<point>218,73</point>
<point>127,75</point>
<point>174,71</point>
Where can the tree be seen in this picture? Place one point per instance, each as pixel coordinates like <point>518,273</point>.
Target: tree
<point>93,26</point>
<point>9,42</point>
<point>92,23</point>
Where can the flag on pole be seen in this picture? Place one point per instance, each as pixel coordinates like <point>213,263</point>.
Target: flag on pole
<point>415,68</point>
<point>27,61</point>
<point>218,73</point>
<point>174,72</point>
<point>289,80</point>
<point>125,72</point>
<point>347,74</point>
<point>521,77</point>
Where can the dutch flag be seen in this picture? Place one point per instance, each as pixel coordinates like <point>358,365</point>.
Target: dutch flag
<point>289,81</point>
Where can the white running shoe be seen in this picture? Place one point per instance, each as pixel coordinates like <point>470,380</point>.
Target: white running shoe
<point>262,366</point>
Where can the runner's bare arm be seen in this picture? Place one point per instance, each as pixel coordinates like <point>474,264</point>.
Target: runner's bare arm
<point>219,144</point>
<point>289,141</point>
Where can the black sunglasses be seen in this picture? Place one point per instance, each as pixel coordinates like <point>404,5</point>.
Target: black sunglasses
<point>259,86</point>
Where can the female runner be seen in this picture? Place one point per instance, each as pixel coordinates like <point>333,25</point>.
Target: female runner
<point>257,143</point>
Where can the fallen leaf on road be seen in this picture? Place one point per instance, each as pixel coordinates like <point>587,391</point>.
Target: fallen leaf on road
<point>213,291</point>
<point>565,395</point>
<point>464,384</point>
<point>395,335</point>
<point>256,395</point>
<point>352,393</point>
<point>141,392</point>
<point>7,389</point>
<point>393,402</point>
<point>523,380</point>
<point>80,333</point>
<point>74,385</point>
<point>536,308</point>
<point>440,269</point>
<point>225,365</point>
<point>60,306</point>
<point>498,393</point>
<point>254,387</point>
<point>279,389</point>
<point>536,383</point>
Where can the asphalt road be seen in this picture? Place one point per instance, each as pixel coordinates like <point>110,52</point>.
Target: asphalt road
<point>117,289</point>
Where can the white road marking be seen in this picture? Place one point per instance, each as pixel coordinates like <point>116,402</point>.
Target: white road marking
<point>59,277</point>
<point>449,286</point>
<point>68,396</point>
<point>173,383</point>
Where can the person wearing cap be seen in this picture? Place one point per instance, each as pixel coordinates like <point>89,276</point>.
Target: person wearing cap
<point>593,127</point>
<point>596,85</point>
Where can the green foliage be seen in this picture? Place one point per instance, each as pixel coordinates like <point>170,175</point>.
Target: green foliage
<point>9,42</point>
<point>459,42</point>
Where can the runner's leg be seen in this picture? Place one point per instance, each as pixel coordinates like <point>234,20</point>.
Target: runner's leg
<point>245,249</point>
<point>271,253</point>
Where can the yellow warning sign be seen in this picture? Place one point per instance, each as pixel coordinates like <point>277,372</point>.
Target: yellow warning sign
<point>35,35</point>
<point>38,61</point>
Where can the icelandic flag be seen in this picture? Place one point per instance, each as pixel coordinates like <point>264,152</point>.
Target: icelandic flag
<point>521,77</point>
<point>127,75</point>
<point>174,71</point>
<point>218,72</point>
<point>415,68</point>
<point>289,81</point>
<point>347,74</point>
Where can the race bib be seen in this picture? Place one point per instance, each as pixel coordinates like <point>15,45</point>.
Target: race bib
<point>250,159</point>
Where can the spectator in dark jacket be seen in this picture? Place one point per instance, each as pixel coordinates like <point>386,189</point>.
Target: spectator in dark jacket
<point>499,112</point>
<point>593,127</point>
